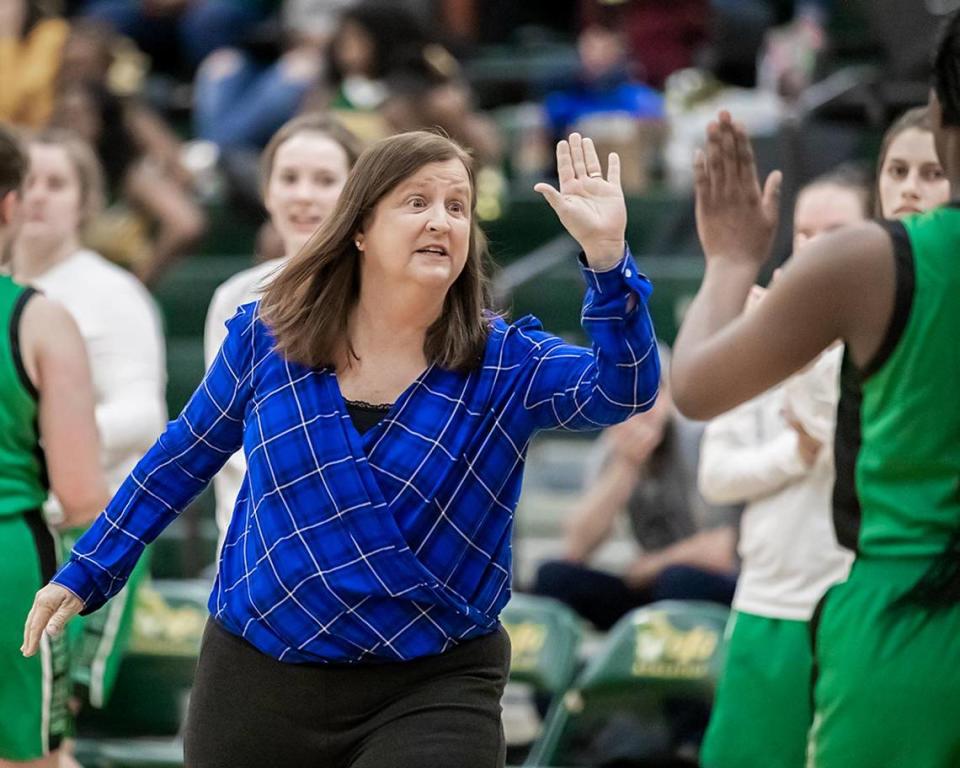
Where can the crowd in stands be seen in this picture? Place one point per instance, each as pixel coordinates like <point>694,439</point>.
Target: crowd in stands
<point>179,97</point>
<point>144,120</point>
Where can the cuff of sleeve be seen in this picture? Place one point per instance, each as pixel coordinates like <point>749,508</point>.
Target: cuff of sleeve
<point>786,448</point>
<point>621,278</point>
<point>72,576</point>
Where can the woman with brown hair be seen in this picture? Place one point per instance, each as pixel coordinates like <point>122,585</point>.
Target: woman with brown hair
<point>910,176</point>
<point>385,413</point>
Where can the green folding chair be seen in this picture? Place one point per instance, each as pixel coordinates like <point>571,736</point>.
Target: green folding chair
<point>544,636</point>
<point>140,726</point>
<point>545,639</point>
<point>668,650</point>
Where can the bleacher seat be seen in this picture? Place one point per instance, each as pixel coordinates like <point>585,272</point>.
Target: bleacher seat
<point>666,651</point>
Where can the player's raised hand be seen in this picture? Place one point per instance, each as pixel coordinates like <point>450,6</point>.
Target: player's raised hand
<point>52,608</point>
<point>735,219</point>
<point>590,207</point>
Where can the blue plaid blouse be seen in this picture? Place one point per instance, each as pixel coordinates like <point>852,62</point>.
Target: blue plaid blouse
<point>394,544</point>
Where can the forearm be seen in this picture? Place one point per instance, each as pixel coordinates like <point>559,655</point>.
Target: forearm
<point>713,550</point>
<point>730,474</point>
<point>575,388</point>
<point>148,500</point>
<point>593,517</point>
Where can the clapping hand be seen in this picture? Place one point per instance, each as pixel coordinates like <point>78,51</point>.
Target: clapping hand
<point>590,207</point>
<point>53,607</point>
<point>736,221</point>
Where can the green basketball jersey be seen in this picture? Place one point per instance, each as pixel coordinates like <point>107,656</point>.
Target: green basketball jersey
<point>23,483</point>
<point>898,424</point>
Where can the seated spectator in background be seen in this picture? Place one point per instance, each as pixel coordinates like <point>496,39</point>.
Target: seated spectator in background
<point>605,84</point>
<point>241,100</point>
<point>30,50</point>
<point>688,548</point>
<point>775,454</point>
<point>372,41</point>
<point>153,219</point>
<point>179,34</point>
<point>429,91</point>
<point>660,37</point>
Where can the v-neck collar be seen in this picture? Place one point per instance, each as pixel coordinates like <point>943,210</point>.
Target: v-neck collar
<point>368,439</point>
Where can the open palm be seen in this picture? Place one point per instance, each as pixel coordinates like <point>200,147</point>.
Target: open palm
<point>590,207</point>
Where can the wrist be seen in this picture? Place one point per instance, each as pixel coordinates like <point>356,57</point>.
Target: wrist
<point>604,254</point>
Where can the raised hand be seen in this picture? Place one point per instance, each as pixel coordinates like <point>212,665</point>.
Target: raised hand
<point>735,220</point>
<point>590,207</point>
<point>53,607</point>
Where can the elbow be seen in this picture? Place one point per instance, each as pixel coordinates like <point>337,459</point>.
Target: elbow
<point>714,490</point>
<point>689,396</point>
<point>82,504</point>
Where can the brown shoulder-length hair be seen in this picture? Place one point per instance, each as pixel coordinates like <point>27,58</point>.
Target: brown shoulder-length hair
<point>308,303</point>
<point>918,118</point>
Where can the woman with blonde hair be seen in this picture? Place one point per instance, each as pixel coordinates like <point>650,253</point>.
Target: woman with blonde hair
<point>384,412</point>
<point>121,328</point>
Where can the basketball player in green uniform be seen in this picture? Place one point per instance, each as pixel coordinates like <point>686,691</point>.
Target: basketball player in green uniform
<point>47,432</point>
<point>886,648</point>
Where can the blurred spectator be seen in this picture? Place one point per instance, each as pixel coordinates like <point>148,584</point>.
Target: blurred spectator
<point>603,86</point>
<point>688,548</point>
<point>30,49</point>
<point>660,37</point>
<point>791,52</point>
<point>777,45</point>
<point>608,103</point>
<point>241,99</point>
<point>179,34</point>
<point>428,90</point>
<point>153,219</point>
<point>373,40</point>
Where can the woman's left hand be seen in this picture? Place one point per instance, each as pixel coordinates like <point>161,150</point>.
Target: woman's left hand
<point>590,207</point>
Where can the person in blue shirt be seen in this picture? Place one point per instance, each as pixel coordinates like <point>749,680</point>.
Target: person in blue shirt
<point>385,413</point>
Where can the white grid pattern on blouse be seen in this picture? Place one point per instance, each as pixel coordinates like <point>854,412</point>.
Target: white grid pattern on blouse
<point>394,544</point>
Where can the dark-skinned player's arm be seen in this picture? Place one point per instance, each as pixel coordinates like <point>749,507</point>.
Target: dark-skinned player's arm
<point>839,287</point>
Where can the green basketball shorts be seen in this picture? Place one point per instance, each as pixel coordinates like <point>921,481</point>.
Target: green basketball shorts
<point>33,692</point>
<point>762,711</point>
<point>887,685</point>
<point>99,640</point>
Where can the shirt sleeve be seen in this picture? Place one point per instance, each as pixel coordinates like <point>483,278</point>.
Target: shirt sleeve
<point>227,482</point>
<point>812,396</point>
<point>171,474</point>
<point>131,410</point>
<point>572,387</point>
<point>737,467</point>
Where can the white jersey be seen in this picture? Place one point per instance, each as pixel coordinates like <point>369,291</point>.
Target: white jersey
<point>240,289</point>
<point>121,328</point>
<point>788,547</point>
